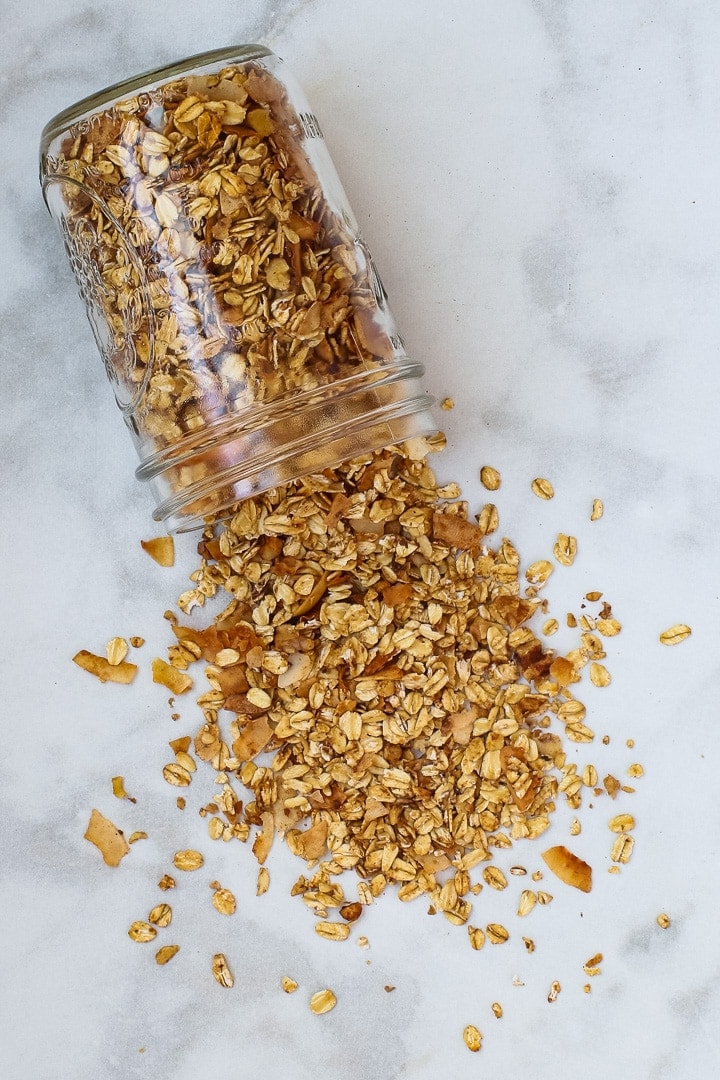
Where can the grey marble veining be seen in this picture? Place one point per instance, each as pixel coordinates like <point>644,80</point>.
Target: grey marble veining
<point>539,182</point>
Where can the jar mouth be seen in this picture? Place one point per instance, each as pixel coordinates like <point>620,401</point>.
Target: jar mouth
<point>243,454</point>
<point>144,81</point>
<point>257,418</point>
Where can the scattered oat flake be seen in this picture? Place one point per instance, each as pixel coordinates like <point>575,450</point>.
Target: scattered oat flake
<point>137,642</point>
<point>332,931</point>
<point>597,510</point>
<point>166,882</point>
<point>675,634</point>
<point>389,989</point>
<point>494,877</point>
<point>188,859</point>
<point>488,519</point>
<point>554,991</point>
<point>621,823</point>
<point>663,921</point>
<point>161,915</point>
<point>161,549</point>
<point>490,478</point>
<point>599,675</point>
<point>565,549</point>
<point>636,770</point>
<point>107,838</point>
<point>622,848</point>
<point>176,775</point>
<point>116,650</point>
<point>447,403</point>
<point>263,881</point>
<point>221,971</point>
<point>477,937</point>
<point>472,1038</point>
<point>165,953</point>
<point>527,902</point>
<point>289,985</point>
<point>100,666</point>
<point>224,901</point>
<point>322,1002</point>
<point>497,1009</point>
<point>139,834</point>
<point>542,488</point>
<point>142,931</point>
<point>538,572</point>
<point>550,626</point>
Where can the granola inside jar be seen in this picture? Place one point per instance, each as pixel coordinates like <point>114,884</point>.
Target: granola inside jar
<point>241,321</point>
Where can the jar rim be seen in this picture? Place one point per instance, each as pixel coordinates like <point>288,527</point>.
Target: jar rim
<point>146,79</point>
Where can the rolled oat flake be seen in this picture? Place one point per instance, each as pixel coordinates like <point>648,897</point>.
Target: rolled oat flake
<point>240,318</point>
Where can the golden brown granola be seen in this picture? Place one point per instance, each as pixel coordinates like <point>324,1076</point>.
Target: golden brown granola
<point>377,696</point>
<point>228,278</point>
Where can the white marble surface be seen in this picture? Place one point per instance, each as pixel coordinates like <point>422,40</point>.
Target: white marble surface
<point>539,181</point>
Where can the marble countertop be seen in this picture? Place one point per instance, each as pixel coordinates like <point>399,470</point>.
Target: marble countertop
<point>539,182</point>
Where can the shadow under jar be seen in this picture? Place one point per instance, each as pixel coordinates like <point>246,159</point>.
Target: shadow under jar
<point>240,318</point>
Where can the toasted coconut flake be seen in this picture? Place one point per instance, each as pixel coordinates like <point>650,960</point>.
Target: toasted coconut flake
<point>122,672</point>
<point>167,675</point>
<point>107,838</point>
<point>568,867</point>
<point>160,548</point>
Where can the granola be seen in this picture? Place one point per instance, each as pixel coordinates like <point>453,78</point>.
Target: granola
<point>223,282</point>
<point>377,697</point>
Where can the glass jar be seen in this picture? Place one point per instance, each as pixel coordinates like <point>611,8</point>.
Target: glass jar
<point>241,320</point>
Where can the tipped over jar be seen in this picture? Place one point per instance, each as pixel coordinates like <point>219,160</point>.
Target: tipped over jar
<point>239,315</point>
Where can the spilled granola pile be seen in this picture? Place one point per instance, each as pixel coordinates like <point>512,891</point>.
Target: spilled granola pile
<point>377,697</point>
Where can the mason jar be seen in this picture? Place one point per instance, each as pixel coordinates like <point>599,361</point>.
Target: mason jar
<point>242,323</point>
